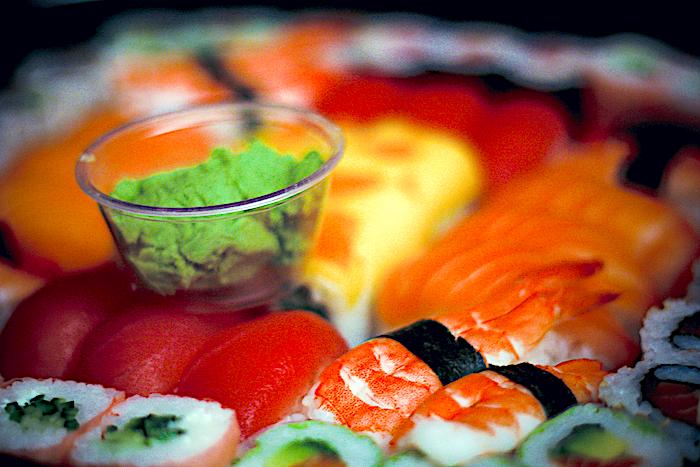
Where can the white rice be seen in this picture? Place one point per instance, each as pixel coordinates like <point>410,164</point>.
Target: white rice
<point>90,399</point>
<point>657,341</point>
<point>623,390</point>
<point>205,423</point>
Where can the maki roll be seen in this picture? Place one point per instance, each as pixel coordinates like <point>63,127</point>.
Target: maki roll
<point>160,430</point>
<point>495,461</point>
<point>672,334</point>
<point>312,443</point>
<point>667,393</point>
<point>407,459</point>
<point>649,387</point>
<point>593,435</point>
<point>40,419</point>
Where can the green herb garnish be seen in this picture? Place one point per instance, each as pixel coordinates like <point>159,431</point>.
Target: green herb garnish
<point>39,413</point>
<point>144,430</point>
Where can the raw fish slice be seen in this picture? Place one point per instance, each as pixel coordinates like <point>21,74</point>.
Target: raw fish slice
<point>263,368</point>
<point>146,347</point>
<point>397,182</point>
<point>570,210</point>
<point>16,285</point>
<point>44,335</point>
<point>299,54</point>
<point>44,212</point>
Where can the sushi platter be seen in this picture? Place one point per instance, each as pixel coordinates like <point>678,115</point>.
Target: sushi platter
<point>255,238</point>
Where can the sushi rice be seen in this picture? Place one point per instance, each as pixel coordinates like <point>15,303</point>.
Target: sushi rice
<point>47,442</point>
<point>623,390</point>
<point>199,427</point>
<point>657,334</point>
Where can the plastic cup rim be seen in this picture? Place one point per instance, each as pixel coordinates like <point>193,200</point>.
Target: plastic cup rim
<point>331,131</point>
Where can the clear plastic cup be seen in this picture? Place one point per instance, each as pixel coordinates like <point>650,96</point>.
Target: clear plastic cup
<point>244,252</point>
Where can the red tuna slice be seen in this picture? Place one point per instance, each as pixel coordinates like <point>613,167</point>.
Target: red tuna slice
<point>518,133</point>
<point>677,400</point>
<point>459,107</point>
<point>145,349</point>
<point>441,103</point>
<point>361,99</point>
<point>44,334</point>
<point>262,368</point>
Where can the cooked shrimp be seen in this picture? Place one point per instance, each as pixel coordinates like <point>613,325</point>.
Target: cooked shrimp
<point>570,211</point>
<point>378,384</point>
<point>372,388</point>
<point>548,270</point>
<point>489,412</point>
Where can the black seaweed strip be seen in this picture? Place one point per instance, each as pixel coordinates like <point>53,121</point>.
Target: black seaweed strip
<point>689,326</point>
<point>5,253</point>
<point>553,394</point>
<point>657,143</point>
<point>449,357</point>
<point>210,61</point>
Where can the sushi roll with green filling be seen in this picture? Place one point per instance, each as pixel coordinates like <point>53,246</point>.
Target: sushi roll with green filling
<point>161,430</point>
<point>499,460</point>
<point>666,393</point>
<point>407,459</point>
<point>40,419</point>
<point>593,435</point>
<point>672,334</point>
<point>312,443</point>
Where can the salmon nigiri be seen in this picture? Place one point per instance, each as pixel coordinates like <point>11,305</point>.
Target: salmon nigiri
<point>571,210</point>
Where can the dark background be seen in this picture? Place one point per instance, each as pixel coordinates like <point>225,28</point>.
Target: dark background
<point>45,24</point>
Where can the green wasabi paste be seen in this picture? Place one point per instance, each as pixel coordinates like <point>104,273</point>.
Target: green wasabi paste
<point>205,253</point>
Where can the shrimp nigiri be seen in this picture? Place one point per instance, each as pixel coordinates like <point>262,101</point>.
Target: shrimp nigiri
<point>496,302</point>
<point>492,411</point>
<point>572,210</point>
<point>378,384</point>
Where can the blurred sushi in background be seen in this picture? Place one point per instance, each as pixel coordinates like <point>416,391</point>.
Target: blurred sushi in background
<point>525,197</point>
